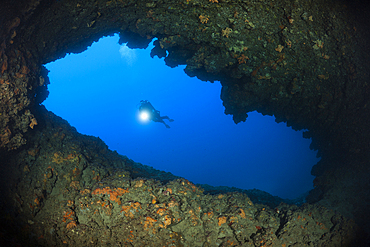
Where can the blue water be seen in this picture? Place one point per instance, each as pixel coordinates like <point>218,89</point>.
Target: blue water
<point>98,92</point>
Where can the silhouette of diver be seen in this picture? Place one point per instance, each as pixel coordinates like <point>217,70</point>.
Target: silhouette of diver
<point>154,115</point>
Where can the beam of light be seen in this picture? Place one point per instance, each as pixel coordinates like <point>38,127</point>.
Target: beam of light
<point>144,116</point>
<point>129,55</point>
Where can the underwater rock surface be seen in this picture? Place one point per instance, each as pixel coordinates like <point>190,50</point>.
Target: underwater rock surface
<point>70,189</point>
<point>306,62</point>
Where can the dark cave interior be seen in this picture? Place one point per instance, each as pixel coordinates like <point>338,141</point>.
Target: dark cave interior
<point>305,63</point>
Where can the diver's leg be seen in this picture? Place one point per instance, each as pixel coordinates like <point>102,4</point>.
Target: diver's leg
<point>161,121</point>
<point>167,117</point>
<point>167,126</point>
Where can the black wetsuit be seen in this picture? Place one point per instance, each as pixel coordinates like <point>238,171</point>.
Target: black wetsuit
<point>153,113</point>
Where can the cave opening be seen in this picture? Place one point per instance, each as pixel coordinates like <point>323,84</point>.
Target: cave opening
<point>98,91</point>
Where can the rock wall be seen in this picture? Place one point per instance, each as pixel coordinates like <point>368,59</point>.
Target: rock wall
<point>306,62</point>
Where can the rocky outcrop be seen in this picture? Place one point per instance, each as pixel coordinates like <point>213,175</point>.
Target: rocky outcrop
<point>303,61</point>
<point>66,188</point>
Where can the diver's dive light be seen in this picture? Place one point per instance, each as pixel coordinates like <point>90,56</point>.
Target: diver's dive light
<point>144,116</point>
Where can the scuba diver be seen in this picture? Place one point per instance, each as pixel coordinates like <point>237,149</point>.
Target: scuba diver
<point>148,112</point>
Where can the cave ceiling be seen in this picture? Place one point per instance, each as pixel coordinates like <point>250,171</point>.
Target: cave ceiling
<point>305,62</point>
<point>302,61</point>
